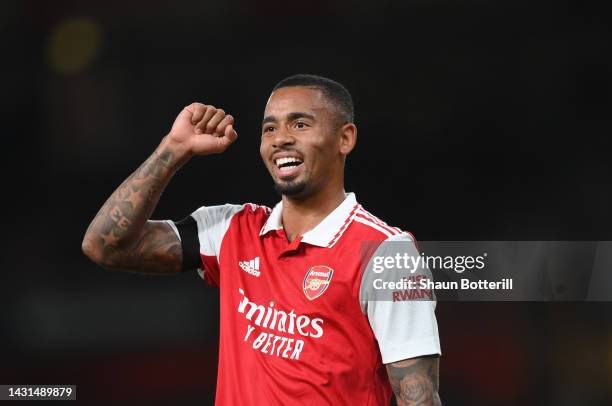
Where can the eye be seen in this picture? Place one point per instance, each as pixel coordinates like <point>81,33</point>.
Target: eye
<point>268,129</point>
<point>300,125</point>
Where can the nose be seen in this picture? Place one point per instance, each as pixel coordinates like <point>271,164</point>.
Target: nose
<point>282,137</point>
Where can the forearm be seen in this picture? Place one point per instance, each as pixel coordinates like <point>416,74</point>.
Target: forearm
<point>415,381</point>
<point>433,400</point>
<point>120,222</point>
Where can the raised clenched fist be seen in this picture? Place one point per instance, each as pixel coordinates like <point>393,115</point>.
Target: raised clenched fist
<point>201,129</point>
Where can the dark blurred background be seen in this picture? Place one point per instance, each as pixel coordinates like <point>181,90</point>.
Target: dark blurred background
<point>477,119</point>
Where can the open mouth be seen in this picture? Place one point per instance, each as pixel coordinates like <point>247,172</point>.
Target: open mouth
<point>288,167</point>
<point>287,162</point>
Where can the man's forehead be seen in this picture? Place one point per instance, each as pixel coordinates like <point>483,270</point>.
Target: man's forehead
<point>288,99</point>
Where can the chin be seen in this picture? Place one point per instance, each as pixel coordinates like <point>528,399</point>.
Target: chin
<point>290,188</point>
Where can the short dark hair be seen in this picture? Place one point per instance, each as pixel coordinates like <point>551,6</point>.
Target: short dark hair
<point>337,94</point>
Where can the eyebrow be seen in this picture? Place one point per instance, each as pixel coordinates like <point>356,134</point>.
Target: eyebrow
<point>291,116</point>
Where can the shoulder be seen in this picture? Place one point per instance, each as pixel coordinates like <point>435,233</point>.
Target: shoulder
<point>226,212</point>
<point>367,226</point>
<point>252,211</point>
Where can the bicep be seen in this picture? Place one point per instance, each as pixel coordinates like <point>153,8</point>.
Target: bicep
<point>415,381</point>
<point>157,251</point>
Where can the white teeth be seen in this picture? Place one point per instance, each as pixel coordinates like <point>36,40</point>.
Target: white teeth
<point>282,161</point>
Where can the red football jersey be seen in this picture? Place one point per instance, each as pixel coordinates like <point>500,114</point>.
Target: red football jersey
<point>294,329</point>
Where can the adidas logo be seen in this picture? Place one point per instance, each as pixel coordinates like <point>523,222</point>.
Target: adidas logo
<point>251,267</point>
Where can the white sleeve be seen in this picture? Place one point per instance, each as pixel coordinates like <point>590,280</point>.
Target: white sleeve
<point>213,222</point>
<point>405,328</point>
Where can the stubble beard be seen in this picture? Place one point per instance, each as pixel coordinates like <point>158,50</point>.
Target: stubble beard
<point>291,188</point>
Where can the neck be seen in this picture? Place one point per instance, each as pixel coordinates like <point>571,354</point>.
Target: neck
<point>302,215</point>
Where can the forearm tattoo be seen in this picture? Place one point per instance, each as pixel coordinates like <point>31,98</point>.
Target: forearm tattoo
<point>120,230</point>
<point>415,381</point>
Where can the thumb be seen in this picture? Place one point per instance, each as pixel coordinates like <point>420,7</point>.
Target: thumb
<point>229,137</point>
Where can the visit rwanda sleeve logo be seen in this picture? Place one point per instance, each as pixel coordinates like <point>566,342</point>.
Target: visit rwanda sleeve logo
<point>317,280</point>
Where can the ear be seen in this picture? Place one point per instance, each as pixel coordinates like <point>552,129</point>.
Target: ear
<point>347,138</point>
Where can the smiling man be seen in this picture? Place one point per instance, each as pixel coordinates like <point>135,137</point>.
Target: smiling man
<point>295,325</point>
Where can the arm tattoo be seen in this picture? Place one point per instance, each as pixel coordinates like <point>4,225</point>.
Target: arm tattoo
<point>121,235</point>
<point>157,251</point>
<point>415,381</point>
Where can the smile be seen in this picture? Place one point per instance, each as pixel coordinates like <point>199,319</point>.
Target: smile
<point>287,162</point>
<point>288,167</point>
